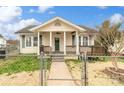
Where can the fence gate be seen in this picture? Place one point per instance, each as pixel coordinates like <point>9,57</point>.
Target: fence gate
<point>46,63</point>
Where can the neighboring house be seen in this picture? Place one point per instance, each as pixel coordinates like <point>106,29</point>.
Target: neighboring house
<point>12,44</point>
<point>2,42</point>
<point>58,36</point>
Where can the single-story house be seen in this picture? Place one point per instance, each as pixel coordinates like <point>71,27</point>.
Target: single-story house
<point>56,35</point>
<point>2,42</point>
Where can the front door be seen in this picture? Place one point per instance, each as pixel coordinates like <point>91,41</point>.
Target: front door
<point>57,44</point>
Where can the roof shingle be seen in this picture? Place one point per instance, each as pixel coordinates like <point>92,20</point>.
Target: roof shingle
<point>26,29</point>
<point>88,30</point>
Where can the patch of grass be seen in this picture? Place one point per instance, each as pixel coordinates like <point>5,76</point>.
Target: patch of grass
<point>21,63</point>
<point>75,61</point>
<point>47,63</point>
<point>72,63</point>
<point>105,59</point>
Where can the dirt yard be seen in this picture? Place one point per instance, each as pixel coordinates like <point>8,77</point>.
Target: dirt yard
<point>96,76</point>
<point>20,79</point>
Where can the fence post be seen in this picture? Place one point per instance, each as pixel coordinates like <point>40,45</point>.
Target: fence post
<point>84,69</point>
<point>42,67</point>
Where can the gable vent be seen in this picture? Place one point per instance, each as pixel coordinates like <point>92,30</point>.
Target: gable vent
<point>57,23</point>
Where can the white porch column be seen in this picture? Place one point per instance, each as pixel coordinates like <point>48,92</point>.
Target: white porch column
<point>20,38</point>
<point>64,43</point>
<point>77,43</point>
<point>38,45</point>
<point>32,41</point>
<point>88,40</point>
<point>50,39</point>
<point>81,40</point>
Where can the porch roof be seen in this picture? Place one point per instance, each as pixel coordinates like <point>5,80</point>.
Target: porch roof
<point>88,30</point>
<point>27,29</point>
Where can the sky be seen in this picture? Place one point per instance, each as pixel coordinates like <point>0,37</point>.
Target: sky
<point>13,18</point>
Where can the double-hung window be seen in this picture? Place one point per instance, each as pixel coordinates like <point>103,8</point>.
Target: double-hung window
<point>35,41</point>
<point>28,41</point>
<point>85,41</point>
<point>80,40</point>
<point>73,40</point>
<point>23,41</point>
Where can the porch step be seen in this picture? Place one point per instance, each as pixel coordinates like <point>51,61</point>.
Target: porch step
<point>57,58</point>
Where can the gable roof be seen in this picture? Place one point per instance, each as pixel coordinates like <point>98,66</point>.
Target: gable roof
<point>26,29</point>
<point>30,28</point>
<point>61,19</point>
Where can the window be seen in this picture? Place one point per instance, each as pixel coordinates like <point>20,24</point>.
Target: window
<point>23,41</point>
<point>73,40</point>
<point>80,40</point>
<point>40,39</point>
<point>90,40</point>
<point>28,41</point>
<point>85,41</point>
<point>35,41</point>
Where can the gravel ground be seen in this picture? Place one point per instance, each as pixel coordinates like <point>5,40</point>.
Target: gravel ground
<point>21,79</point>
<point>96,76</point>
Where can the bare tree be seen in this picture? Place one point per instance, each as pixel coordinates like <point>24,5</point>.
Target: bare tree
<point>112,40</point>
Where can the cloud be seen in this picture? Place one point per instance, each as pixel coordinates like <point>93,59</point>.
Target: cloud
<point>31,11</point>
<point>117,18</point>
<point>43,9</point>
<point>11,21</point>
<point>52,12</point>
<point>102,7</point>
<point>10,13</point>
<point>9,29</point>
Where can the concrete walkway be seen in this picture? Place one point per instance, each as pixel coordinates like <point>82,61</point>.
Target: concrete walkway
<point>60,75</point>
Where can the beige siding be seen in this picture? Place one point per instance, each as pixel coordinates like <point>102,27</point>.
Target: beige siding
<point>30,49</point>
<point>52,27</point>
<point>45,39</point>
<point>68,39</point>
<point>46,42</point>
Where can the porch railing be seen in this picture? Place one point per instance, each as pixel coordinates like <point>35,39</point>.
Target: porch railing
<point>91,50</point>
<point>71,49</point>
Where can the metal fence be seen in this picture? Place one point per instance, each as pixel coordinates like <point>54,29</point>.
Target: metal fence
<point>31,69</point>
<point>20,70</point>
<point>103,70</point>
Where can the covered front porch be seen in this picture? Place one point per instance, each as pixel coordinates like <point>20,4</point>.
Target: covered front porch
<point>58,42</point>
